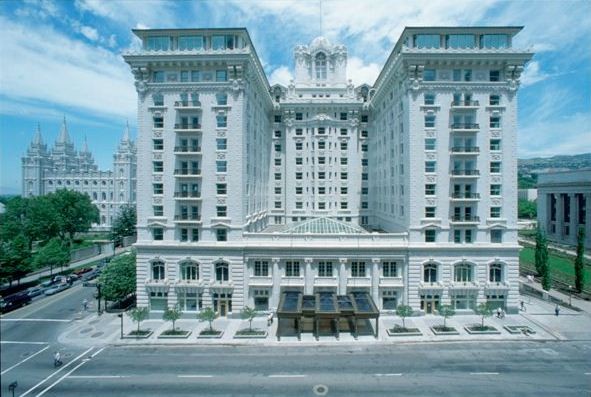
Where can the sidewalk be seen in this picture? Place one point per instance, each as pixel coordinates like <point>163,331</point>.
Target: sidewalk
<point>574,300</point>
<point>539,317</point>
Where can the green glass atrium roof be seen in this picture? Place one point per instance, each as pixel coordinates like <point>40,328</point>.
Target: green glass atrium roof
<point>323,226</point>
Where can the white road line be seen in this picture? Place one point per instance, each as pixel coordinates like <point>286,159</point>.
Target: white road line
<point>47,320</point>
<point>286,376</point>
<point>14,342</point>
<point>587,373</point>
<point>97,376</point>
<point>22,361</point>
<point>55,373</point>
<point>484,373</point>
<point>387,374</point>
<point>60,379</point>
<point>194,376</point>
<point>98,351</point>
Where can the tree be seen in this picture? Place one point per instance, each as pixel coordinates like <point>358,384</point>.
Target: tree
<point>76,213</point>
<point>54,253</point>
<point>118,278</point>
<point>172,314</point>
<point>208,315</point>
<point>138,314</point>
<point>124,224</point>
<point>527,209</point>
<point>580,260</point>
<point>249,313</point>
<point>446,311</point>
<point>404,311</point>
<point>541,252</point>
<point>483,310</point>
<point>15,258</point>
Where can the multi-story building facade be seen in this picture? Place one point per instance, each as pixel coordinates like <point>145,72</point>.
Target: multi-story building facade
<point>405,190</point>
<point>563,205</point>
<point>62,167</point>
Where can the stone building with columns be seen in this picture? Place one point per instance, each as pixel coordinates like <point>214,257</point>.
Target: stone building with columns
<point>564,198</point>
<point>404,190</point>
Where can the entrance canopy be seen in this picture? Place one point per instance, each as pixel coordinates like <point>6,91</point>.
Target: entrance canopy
<point>326,305</point>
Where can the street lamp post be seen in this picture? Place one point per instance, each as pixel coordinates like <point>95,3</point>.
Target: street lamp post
<point>12,386</point>
<point>98,298</point>
<point>120,315</point>
<point>570,295</point>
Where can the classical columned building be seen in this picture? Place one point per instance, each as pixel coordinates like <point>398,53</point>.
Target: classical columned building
<point>563,201</point>
<point>404,190</point>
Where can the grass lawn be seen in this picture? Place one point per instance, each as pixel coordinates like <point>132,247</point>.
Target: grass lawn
<point>561,266</point>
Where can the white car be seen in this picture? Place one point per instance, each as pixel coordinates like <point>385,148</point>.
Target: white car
<point>56,289</point>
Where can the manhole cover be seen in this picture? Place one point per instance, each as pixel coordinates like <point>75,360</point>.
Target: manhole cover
<point>85,330</point>
<point>96,334</point>
<point>320,390</point>
<point>94,321</point>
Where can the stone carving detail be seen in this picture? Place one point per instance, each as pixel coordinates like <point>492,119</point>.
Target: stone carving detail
<point>496,201</point>
<point>157,156</point>
<point>430,179</point>
<point>495,133</point>
<point>157,178</point>
<point>495,179</point>
<point>431,156</point>
<point>431,202</point>
<point>221,178</point>
<point>157,134</point>
<point>495,157</point>
<point>430,133</point>
<point>221,133</point>
<point>157,200</point>
<point>221,200</point>
<point>221,156</point>
<point>141,75</point>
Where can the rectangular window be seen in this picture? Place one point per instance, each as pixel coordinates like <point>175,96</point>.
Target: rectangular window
<point>321,175</point>
<point>495,144</point>
<point>221,143</point>
<point>158,188</point>
<point>358,269</point>
<point>430,235</point>
<point>495,122</point>
<point>322,160</point>
<point>299,175</point>
<point>429,75</point>
<point>194,234</point>
<point>430,189</point>
<point>427,41</point>
<point>277,190</point>
<point>158,76</point>
<point>158,99</point>
<point>457,236</point>
<point>278,118</point>
<point>299,116</point>
<point>321,190</point>
<point>278,161</point>
<point>364,162</point>
<point>429,121</point>
<point>344,189</point>
<point>364,147</point>
<point>344,176</point>
<point>187,43</point>
<point>221,235</point>
<point>495,212</point>
<point>158,144</point>
<point>343,145</point>
<point>321,206</point>
<point>343,116</point>
<point>344,160</point>
<point>343,132</point>
<point>364,176</point>
<point>495,190</point>
<point>221,166</point>
<point>221,188</point>
<point>467,75</point>
<point>299,205</point>
<point>460,41</point>
<point>344,205</point>
<point>277,176</point>
<point>321,130</point>
<point>221,121</point>
<point>299,161</point>
<point>494,100</point>
<point>221,75</point>
<point>184,235</point>
<point>184,76</point>
<point>292,269</point>
<point>468,236</point>
<point>158,233</point>
<point>158,166</point>
<point>324,269</point>
<point>278,147</point>
<point>261,268</point>
<point>364,190</point>
<point>157,43</point>
<point>299,132</point>
<point>221,211</point>
<point>218,42</point>
<point>158,210</point>
<point>457,75</point>
<point>494,75</point>
<point>364,118</point>
<point>430,166</point>
<point>429,212</point>
<point>299,145</point>
<point>299,190</point>
<point>321,145</point>
<point>494,41</point>
<point>158,122</point>
<point>496,236</point>
<point>495,167</point>
<point>277,134</point>
<point>364,205</point>
<point>430,143</point>
<point>429,99</point>
<point>390,269</point>
<point>195,75</point>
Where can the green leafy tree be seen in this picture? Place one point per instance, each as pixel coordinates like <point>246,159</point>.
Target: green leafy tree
<point>53,254</point>
<point>15,258</point>
<point>483,310</point>
<point>15,221</point>
<point>527,209</point>
<point>249,313</point>
<point>118,278</point>
<point>76,213</point>
<point>42,219</point>
<point>404,311</point>
<point>541,252</point>
<point>138,314</point>
<point>208,315</point>
<point>172,314</point>
<point>124,224</point>
<point>580,260</point>
<point>446,311</point>
<point>546,278</point>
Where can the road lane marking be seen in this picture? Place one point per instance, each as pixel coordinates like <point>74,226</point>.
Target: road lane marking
<point>47,320</point>
<point>194,376</point>
<point>587,373</point>
<point>55,373</point>
<point>22,361</point>
<point>286,376</point>
<point>60,379</point>
<point>97,376</point>
<point>15,342</point>
<point>388,375</point>
<point>484,373</point>
<point>48,301</point>
<point>98,351</point>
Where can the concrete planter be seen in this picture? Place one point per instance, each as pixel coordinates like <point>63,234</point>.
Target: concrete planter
<point>185,335</point>
<point>262,336</point>
<point>519,329</point>
<point>217,336</point>
<point>493,331</point>
<point>452,331</point>
<point>410,333</point>
<point>145,336</point>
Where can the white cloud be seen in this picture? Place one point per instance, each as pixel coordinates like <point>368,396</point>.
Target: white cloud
<point>155,13</point>
<point>281,75</point>
<point>112,41</point>
<point>362,73</point>
<point>532,74</point>
<point>56,69</point>
<point>89,33</point>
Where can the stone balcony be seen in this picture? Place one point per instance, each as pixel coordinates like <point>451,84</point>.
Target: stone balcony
<point>359,282</point>
<point>391,282</point>
<point>326,282</point>
<point>260,281</point>
<point>297,281</point>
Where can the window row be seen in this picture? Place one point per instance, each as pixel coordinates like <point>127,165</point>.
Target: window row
<point>465,235</point>
<point>465,75</point>
<point>193,42</point>
<point>161,76</point>
<point>459,41</point>
<point>463,272</point>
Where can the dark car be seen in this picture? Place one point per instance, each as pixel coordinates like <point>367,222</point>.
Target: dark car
<point>91,275</point>
<point>14,301</point>
<point>82,270</point>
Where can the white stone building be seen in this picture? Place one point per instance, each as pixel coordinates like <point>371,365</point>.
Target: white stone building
<point>44,171</point>
<point>405,189</point>
<point>563,205</point>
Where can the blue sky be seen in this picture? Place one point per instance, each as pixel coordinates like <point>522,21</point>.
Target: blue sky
<point>61,57</point>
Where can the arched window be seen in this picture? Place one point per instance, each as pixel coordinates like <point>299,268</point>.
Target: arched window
<point>94,196</point>
<point>430,273</point>
<point>104,196</point>
<point>158,271</point>
<point>121,197</point>
<point>103,219</point>
<point>189,271</point>
<point>221,272</point>
<point>463,273</point>
<point>320,66</point>
<point>495,273</point>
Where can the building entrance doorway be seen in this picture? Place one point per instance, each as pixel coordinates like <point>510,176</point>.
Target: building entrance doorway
<point>429,303</point>
<point>222,303</point>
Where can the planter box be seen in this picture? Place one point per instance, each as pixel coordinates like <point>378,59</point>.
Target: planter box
<point>452,331</point>
<point>489,331</point>
<point>144,336</point>
<point>519,329</point>
<point>408,332</point>
<point>184,335</point>
<point>253,336</point>
<point>217,336</point>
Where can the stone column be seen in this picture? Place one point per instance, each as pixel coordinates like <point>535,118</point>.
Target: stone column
<point>587,218</point>
<point>308,277</point>
<point>559,217</point>
<point>574,221</point>
<point>276,289</point>
<point>375,280</point>
<point>342,276</point>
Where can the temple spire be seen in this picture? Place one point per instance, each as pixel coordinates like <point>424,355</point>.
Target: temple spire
<point>63,136</point>
<point>126,132</point>
<point>85,145</point>
<point>37,139</point>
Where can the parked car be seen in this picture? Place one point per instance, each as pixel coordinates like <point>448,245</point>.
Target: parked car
<point>35,291</point>
<point>47,283</point>
<point>82,270</point>
<point>14,301</point>
<point>56,289</point>
<point>91,275</point>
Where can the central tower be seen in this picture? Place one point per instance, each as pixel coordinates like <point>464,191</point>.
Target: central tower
<point>320,64</point>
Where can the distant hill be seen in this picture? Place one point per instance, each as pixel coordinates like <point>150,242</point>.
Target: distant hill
<point>527,169</point>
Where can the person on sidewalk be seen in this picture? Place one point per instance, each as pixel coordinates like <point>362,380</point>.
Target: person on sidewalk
<point>85,304</point>
<point>557,310</point>
<point>498,312</point>
<point>522,306</point>
<point>57,359</point>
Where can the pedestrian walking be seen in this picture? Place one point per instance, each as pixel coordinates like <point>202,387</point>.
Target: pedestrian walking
<point>57,359</point>
<point>522,306</point>
<point>498,312</point>
<point>85,304</point>
<point>557,310</point>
